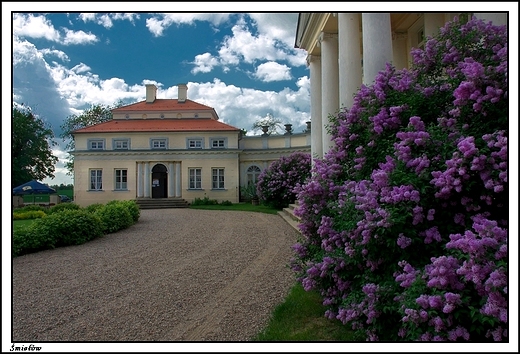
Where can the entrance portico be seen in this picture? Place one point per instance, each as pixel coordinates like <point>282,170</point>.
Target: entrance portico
<point>158,179</point>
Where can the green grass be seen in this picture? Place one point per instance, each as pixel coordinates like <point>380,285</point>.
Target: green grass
<point>238,207</point>
<point>20,224</point>
<point>301,318</point>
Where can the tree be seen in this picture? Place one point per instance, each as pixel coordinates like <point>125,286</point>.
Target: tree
<point>32,157</point>
<point>94,115</point>
<point>269,121</point>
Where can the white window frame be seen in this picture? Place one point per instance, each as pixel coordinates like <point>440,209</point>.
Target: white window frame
<point>217,178</point>
<point>253,172</point>
<point>159,143</point>
<point>218,143</point>
<point>96,144</point>
<point>195,178</point>
<point>96,179</point>
<point>195,143</point>
<point>121,179</point>
<point>121,143</point>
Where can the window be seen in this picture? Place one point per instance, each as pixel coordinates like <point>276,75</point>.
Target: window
<point>96,178</point>
<point>96,144</point>
<point>158,143</point>
<point>121,144</point>
<point>218,178</point>
<point>195,178</point>
<point>195,143</point>
<point>252,174</point>
<point>218,143</point>
<point>121,179</point>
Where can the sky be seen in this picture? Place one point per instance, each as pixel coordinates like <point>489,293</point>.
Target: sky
<point>244,65</point>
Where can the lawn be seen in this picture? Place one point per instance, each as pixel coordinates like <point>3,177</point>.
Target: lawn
<point>301,318</point>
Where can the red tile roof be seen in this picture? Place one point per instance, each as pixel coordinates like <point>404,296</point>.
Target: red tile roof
<point>164,105</point>
<point>158,125</point>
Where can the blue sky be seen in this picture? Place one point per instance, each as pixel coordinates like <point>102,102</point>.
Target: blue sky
<point>242,64</point>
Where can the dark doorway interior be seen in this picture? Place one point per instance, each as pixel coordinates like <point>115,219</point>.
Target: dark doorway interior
<point>159,181</point>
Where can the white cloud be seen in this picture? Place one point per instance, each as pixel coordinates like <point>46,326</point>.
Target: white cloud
<point>30,26</point>
<point>204,63</point>
<point>34,27</point>
<point>57,53</point>
<point>160,22</point>
<point>78,37</point>
<point>272,43</point>
<point>272,71</point>
<point>106,20</point>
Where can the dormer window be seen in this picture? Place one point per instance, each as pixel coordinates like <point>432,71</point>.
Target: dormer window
<point>159,143</point>
<point>218,143</point>
<point>120,144</point>
<point>194,143</point>
<point>96,144</point>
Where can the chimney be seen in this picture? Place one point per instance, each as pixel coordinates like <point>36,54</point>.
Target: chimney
<point>183,93</point>
<point>151,91</point>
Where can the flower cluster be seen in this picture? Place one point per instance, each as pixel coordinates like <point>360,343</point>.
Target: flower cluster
<point>404,229</point>
<point>276,184</point>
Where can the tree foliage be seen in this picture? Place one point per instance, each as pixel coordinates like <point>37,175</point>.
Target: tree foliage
<point>94,115</point>
<point>32,157</point>
<point>273,124</point>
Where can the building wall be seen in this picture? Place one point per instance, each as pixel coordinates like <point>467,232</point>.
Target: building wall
<point>140,159</point>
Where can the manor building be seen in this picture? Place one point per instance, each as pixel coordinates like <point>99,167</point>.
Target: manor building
<point>172,148</point>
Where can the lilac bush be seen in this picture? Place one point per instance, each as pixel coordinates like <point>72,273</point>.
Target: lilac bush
<point>404,221</point>
<point>276,183</point>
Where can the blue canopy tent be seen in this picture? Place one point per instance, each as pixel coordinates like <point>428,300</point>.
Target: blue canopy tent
<point>33,187</point>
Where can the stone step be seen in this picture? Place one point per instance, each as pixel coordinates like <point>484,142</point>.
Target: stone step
<point>288,215</point>
<point>162,203</point>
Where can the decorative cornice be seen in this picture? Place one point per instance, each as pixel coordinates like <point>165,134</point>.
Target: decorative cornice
<point>399,36</point>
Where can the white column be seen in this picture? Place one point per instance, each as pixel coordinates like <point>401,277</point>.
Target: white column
<point>314,63</point>
<point>350,71</point>
<point>330,83</point>
<point>146,180</point>
<point>178,179</point>
<point>139,180</point>
<point>171,174</point>
<point>377,44</point>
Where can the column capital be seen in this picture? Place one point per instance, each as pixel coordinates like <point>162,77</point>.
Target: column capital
<point>327,35</point>
<point>313,58</point>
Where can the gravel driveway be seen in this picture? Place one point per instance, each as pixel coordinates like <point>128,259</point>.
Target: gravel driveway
<point>176,275</point>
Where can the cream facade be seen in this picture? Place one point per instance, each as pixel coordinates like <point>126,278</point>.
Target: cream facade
<point>346,50</point>
<point>171,148</point>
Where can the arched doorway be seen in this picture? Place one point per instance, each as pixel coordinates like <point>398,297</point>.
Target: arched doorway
<point>159,181</point>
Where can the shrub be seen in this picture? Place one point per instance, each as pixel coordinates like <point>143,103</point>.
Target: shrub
<point>114,216</point>
<point>133,208</point>
<point>226,203</point>
<point>404,220</point>
<point>28,215</point>
<point>29,208</point>
<point>276,184</point>
<point>93,207</point>
<point>68,227</point>
<point>204,201</point>
<point>63,206</point>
